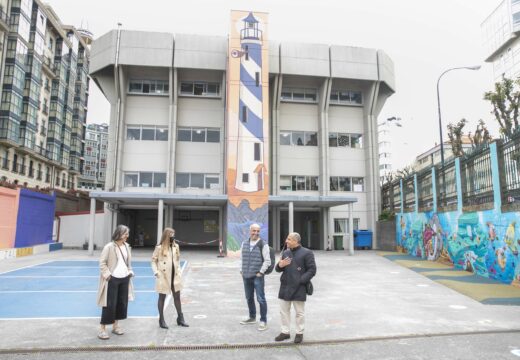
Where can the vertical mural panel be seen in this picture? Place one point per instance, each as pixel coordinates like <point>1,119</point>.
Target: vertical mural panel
<point>9,211</point>
<point>247,127</point>
<point>35,219</point>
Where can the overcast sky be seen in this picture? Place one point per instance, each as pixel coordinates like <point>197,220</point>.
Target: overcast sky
<point>423,38</point>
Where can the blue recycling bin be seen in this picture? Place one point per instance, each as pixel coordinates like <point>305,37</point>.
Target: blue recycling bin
<point>362,239</point>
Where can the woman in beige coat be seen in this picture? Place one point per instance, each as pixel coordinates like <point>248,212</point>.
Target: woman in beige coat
<point>115,285</point>
<point>166,267</point>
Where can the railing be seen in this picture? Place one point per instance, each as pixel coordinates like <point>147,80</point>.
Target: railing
<point>424,184</point>
<point>447,187</point>
<point>386,197</point>
<point>409,194</point>
<point>509,164</point>
<point>396,190</point>
<point>477,181</point>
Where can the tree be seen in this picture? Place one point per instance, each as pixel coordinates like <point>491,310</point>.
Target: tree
<point>506,102</point>
<point>404,172</point>
<point>455,133</point>
<point>481,136</point>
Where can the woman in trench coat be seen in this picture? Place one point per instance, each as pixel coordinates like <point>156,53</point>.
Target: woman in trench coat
<point>166,267</point>
<point>115,284</point>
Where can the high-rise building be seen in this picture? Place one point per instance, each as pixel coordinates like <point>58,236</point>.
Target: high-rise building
<point>44,95</point>
<point>95,157</point>
<point>210,133</point>
<point>500,32</point>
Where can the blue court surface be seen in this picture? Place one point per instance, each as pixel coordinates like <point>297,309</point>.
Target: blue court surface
<point>68,289</point>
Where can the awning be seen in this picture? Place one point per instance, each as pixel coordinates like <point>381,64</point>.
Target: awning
<point>311,201</point>
<point>140,199</point>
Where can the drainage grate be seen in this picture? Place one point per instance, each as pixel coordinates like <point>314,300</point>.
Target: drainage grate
<point>80,349</point>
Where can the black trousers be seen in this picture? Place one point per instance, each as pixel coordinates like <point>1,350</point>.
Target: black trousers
<point>117,300</point>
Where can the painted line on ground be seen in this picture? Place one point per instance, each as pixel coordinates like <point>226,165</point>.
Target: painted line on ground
<point>25,267</point>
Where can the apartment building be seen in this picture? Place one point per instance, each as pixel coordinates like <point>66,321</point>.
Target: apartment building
<point>500,32</point>
<point>182,121</point>
<point>44,95</point>
<point>95,157</point>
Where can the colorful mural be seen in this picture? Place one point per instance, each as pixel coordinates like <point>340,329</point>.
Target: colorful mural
<point>248,127</point>
<point>486,243</point>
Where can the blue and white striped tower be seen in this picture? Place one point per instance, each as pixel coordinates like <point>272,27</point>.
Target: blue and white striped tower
<point>250,152</point>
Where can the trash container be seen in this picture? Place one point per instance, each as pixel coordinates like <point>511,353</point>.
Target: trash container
<point>338,242</point>
<point>362,239</point>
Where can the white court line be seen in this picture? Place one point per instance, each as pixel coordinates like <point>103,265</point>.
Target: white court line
<point>25,267</point>
<point>72,318</point>
<point>85,267</point>
<point>63,291</point>
<point>60,276</point>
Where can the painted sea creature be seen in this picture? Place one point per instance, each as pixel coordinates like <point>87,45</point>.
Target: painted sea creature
<point>509,238</point>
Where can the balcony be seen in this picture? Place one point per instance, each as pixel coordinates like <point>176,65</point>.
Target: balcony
<point>49,67</point>
<point>4,19</point>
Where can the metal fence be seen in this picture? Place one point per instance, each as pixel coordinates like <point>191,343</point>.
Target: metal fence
<point>409,194</point>
<point>509,165</point>
<point>477,180</point>
<point>424,184</point>
<point>396,191</point>
<point>447,187</point>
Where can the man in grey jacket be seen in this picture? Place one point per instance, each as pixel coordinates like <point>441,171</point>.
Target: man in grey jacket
<point>255,260</point>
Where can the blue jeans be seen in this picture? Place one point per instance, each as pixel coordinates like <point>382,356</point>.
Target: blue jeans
<point>250,286</point>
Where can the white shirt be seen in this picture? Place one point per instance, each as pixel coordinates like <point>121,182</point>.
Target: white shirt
<point>121,270</point>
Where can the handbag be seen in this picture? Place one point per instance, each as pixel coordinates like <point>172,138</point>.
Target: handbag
<point>309,289</point>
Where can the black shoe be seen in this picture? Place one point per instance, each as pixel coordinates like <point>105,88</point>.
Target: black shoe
<point>180,321</point>
<point>298,338</point>
<point>162,323</point>
<point>282,337</point>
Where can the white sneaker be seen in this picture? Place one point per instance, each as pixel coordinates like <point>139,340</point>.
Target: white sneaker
<point>262,326</point>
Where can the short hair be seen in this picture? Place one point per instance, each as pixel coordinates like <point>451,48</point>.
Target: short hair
<point>295,236</point>
<point>254,225</point>
<point>119,231</point>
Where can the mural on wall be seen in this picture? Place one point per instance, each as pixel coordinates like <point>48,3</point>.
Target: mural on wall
<point>248,128</point>
<point>486,243</point>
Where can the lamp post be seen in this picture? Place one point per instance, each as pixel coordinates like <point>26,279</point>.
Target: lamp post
<point>476,67</point>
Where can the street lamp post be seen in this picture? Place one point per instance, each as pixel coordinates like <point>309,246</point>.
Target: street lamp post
<point>476,67</point>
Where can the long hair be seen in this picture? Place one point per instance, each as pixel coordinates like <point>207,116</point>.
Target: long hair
<point>119,231</point>
<point>165,240</point>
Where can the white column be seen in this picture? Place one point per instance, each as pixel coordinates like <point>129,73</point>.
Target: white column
<point>350,229</point>
<point>291,217</point>
<point>160,215</point>
<point>92,226</point>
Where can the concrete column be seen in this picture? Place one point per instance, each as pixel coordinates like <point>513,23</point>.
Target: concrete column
<point>92,226</point>
<point>416,194</point>
<point>160,215</point>
<point>291,217</point>
<point>458,181</point>
<point>495,175</point>
<point>275,134</point>
<point>173,132</point>
<point>434,189</point>
<point>350,229</point>
<point>277,239</point>
<point>327,244</point>
<point>323,136</point>
<point>220,227</point>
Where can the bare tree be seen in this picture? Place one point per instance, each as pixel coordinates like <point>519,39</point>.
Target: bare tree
<point>506,102</point>
<point>481,136</point>
<point>455,133</point>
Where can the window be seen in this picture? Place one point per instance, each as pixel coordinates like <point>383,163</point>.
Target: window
<point>341,225</point>
<point>245,178</point>
<point>150,133</point>
<point>210,135</point>
<point>346,97</point>
<point>198,88</point>
<point>197,180</point>
<point>152,87</point>
<point>257,152</point>
<point>299,95</point>
<point>299,183</point>
<point>141,179</point>
<point>299,138</point>
<point>345,183</point>
<point>346,140</point>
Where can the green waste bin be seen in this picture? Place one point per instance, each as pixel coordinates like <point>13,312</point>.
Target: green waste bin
<point>338,242</point>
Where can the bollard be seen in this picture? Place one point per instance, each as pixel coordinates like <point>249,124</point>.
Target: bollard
<point>220,254</point>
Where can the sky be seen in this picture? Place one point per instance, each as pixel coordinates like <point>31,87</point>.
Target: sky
<point>423,38</point>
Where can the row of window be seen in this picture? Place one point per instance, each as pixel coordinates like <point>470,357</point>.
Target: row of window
<point>145,179</point>
<point>212,89</point>
<point>345,140</point>
<point>196,134</point>
<point>346,183</point>
<point>157,133</point>
<point>310,138</point>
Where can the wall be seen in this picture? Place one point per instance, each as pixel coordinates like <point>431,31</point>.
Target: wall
<point>35,219</point>
<point>484,242</point>
<point>9,210</point>
<point>74,230</point>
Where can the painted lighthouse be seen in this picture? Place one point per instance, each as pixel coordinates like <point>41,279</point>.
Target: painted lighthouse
<point>250,167</point>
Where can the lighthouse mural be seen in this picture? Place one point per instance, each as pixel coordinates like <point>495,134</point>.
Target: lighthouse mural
<point>247,128</point>
<point>250,167</point>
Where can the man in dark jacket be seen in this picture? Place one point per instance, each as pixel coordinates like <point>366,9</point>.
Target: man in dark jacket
<point>298,267</point>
